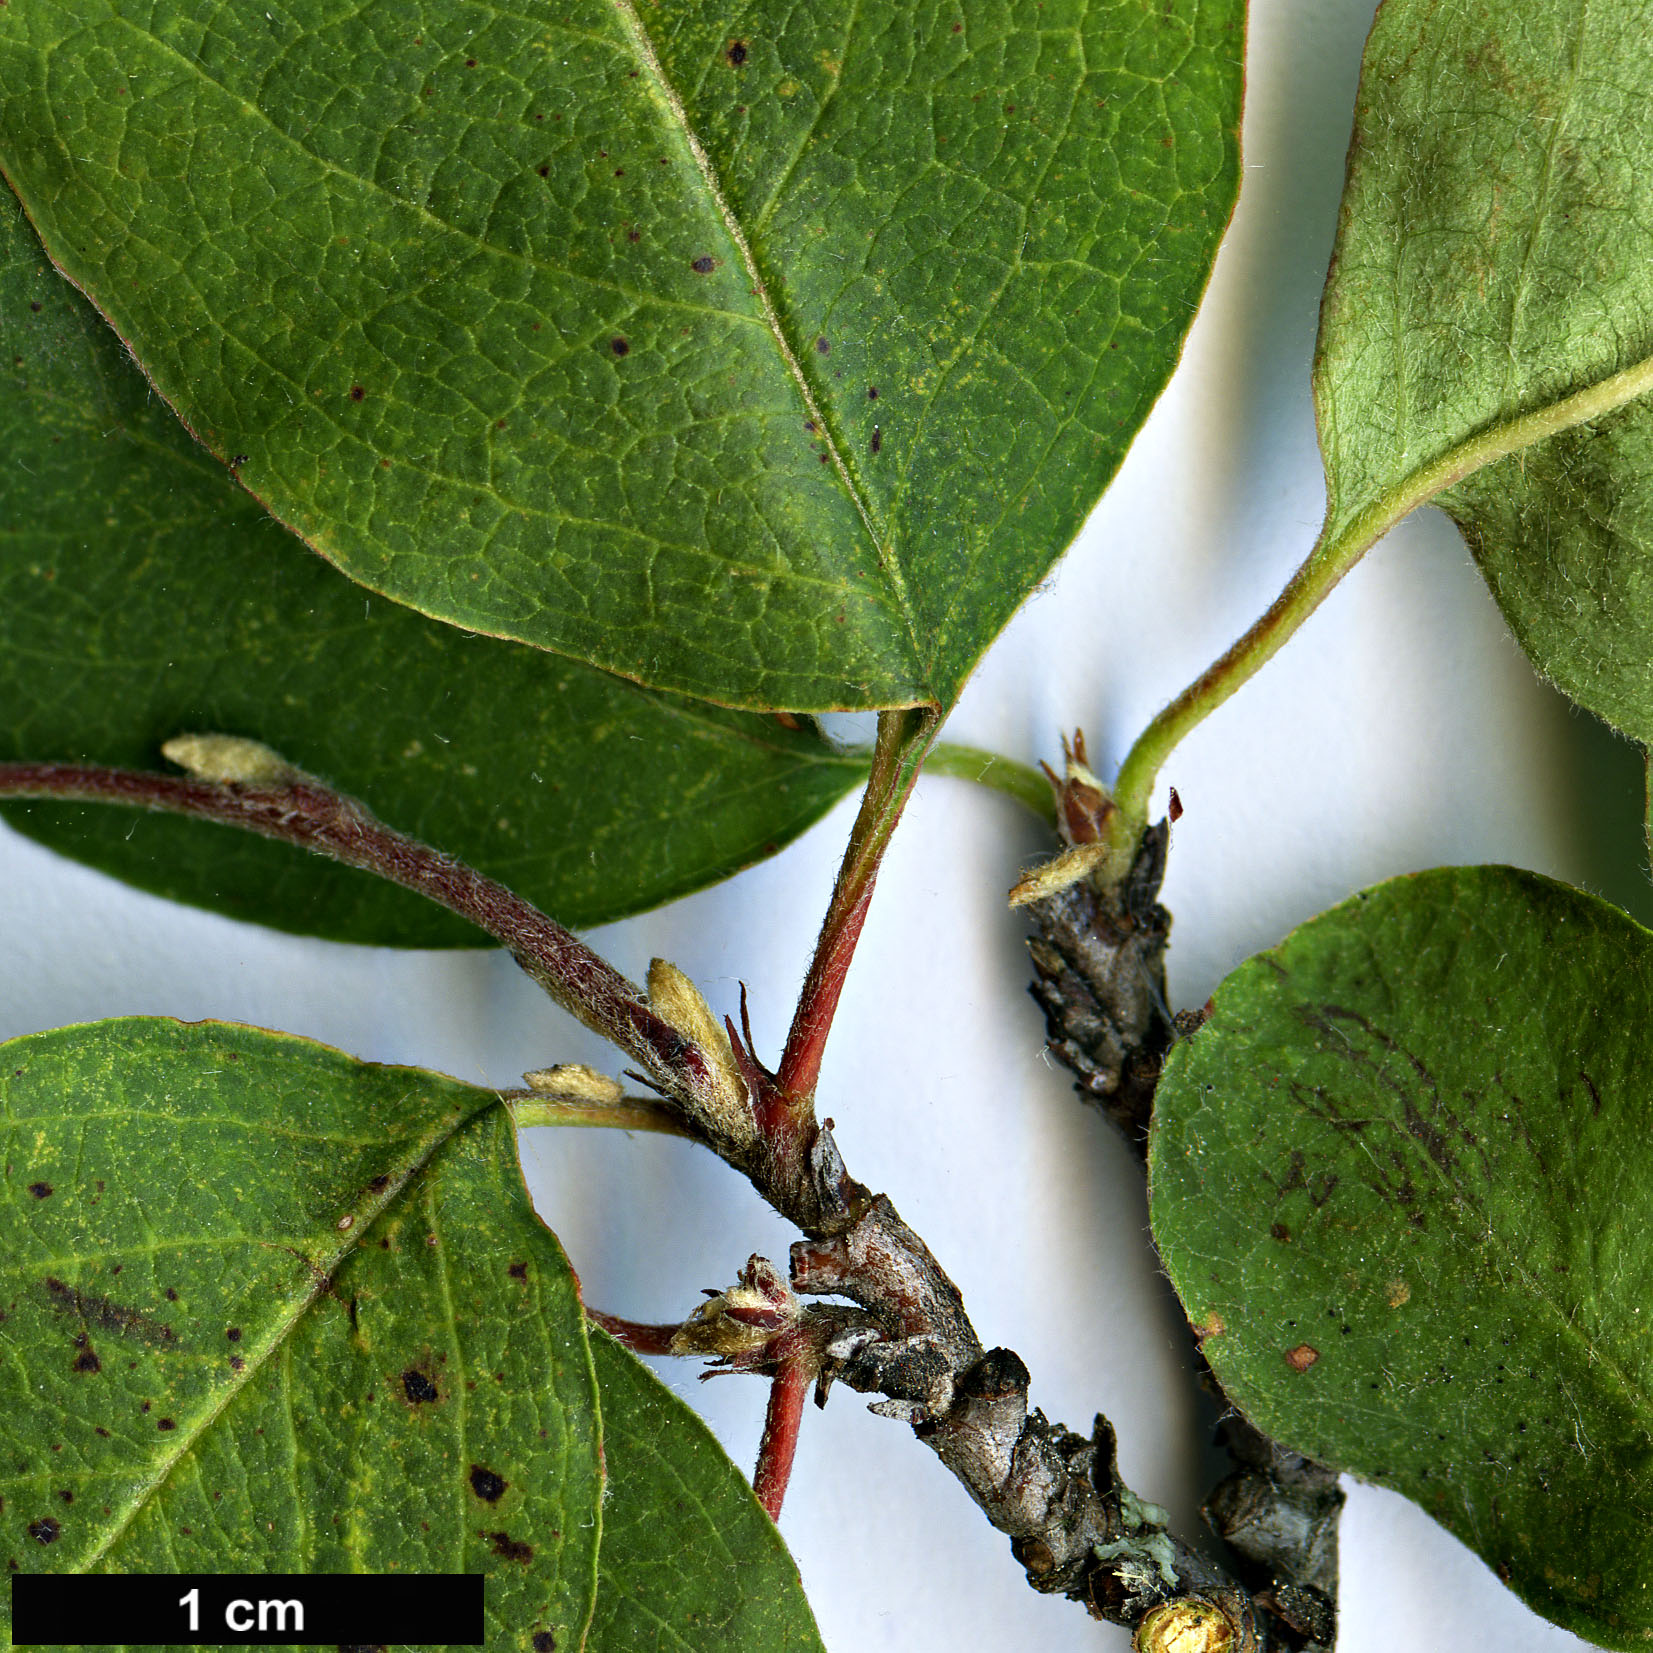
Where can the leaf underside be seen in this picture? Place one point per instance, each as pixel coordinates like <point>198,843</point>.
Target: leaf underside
<point>1400,1181</point>
<point>143,595</point>
<point>1495,256</point>
<point>269,1309</point>
<point>770,354</point>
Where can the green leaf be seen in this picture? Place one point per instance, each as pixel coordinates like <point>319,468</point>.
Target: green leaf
<point>1400,1180</point>
<point>771,353</point>
<point>271,1309</point>
<point>144,595</point>
<point>673,1495</point>
<point>1492,282</point>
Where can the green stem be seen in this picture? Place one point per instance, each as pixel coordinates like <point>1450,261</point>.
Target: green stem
<point>1334,554</point>
<point>633,1113</point>
<point>1015,780</point>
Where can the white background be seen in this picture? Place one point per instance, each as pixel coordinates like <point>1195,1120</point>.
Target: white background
<point>1401,730</point>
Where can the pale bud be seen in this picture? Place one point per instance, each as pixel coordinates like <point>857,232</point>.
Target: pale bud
<point>230,759</point>
<point>1186,1626</point>
<point>677,1001</point>
<point>575,1082</point>
<point>744,1320</point>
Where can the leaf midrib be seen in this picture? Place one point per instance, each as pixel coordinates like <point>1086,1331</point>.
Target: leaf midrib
<point>643,51</point>
<point>321,1276</point>
<point>649,61</point>
<point>1340,547</point>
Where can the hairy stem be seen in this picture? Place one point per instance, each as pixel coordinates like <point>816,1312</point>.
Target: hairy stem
<point>1334,554</point>
<point>641,1337</point>
<point>303,811</point>
<point>904,737</point>
<point>1074,1525</point>
<point>1015,780</point>
<point>781,1423</point>
<point>630,1113</point>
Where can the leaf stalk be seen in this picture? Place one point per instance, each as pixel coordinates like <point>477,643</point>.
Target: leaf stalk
<point>904,738</point>
<point>1339,547</point>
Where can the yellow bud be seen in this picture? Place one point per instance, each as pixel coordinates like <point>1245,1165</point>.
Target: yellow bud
<point>575,1082</point>
<point>1186,1626</point>
<point>1051,877</point>
<point>677,1001</point>
<point>230,758</point>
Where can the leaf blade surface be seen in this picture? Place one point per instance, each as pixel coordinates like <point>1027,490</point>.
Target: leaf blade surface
<point>143,595</point>
<point>1395,1181</point>
<point>1492,262</point>
<point>258,1314</point>
<point>766,356</point>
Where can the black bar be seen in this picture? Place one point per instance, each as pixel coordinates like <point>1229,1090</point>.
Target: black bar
<point>365,1610</point>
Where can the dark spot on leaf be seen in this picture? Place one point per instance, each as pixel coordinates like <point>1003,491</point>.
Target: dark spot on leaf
<point>736,55</point>
<point>380,1184</point>
<point>470,63</point>
<point>418,1387</point>
<point>86,1361</point>
<point>877,439</point>
<point>619,347</point>
<point>544,1642</point>
<point>233,1334</point>
<point>166,1425</point>
<point>99,1311</point>
<point>1278,1231</point>
<point>822,347</point>
<point>488,1486</point>
<point>634,235</point>
<point>1302,1357</point>
<point>35,308</point>
<point>619,172</point>
<point>170,1295</point>
<point>508,1548</point>
<point>518,1271</point>
<point>67,1496</point>
<point>872,393</point>
<point>41,1190</point>
<point>704,265</point>
<point>239,460</point>
<point>102,1431</point>
<point>237,1364</point>
<point>357,392</point>
<point>545,172</point>
<point>45,1530</point>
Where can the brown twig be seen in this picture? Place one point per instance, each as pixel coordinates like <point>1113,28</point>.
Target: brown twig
<point>1073,1524</point>
<point>296,808</point>
<point>1099,975</point>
